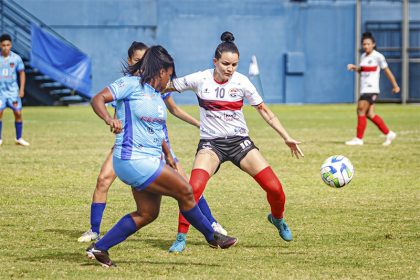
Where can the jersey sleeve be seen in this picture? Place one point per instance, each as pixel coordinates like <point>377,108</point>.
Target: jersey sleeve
<point>251,93</point>
<point>20,66</point>
<point>166,95</point>
<point>121,88</point>
<point>382,61</point>
<point>189,82</point>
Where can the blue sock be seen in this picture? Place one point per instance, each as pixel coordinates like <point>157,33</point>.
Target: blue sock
<point>118,233</point>
<point>204,207</point>
<point>1,127</point>
<point>96,213</point>
<point>200,222</point>
<point>18,127</point>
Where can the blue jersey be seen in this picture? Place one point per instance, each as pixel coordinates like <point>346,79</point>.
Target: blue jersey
<point>143,113</point>
<point>10,66</point>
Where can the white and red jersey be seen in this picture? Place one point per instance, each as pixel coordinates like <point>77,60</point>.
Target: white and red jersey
<point>220,104</point>
<point>370,66</point>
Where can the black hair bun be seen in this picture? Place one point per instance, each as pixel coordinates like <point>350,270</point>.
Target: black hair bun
<point>227,37</point>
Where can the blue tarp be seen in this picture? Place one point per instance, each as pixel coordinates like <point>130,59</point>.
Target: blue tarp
<point>61,61</point>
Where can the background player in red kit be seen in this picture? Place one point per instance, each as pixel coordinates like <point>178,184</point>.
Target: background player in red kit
<point>371,63</point>
<point>224,135</point>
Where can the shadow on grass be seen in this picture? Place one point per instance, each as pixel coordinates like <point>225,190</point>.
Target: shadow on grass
<point>74,257</point>
<point>72,233</point>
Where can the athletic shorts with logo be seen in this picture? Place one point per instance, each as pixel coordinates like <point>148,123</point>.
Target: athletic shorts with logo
<point>139,172</point>
<point>13,103</point>
<point>232,149</point>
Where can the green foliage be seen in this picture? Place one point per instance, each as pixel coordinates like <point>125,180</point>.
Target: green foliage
<point>369,229</point>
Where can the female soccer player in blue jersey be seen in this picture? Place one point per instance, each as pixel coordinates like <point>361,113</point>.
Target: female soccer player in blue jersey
<point>138,149</point>
<point>10,93</point>
<point>224,135</point>
<point>107,175</point>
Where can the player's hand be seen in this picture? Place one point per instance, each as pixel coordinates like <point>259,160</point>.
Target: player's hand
<point>115,125</point>
<point>294,147</point>
<point>171,162</point>
<point>21,93</point>
<point>396,89</point>
<point>351,67</point>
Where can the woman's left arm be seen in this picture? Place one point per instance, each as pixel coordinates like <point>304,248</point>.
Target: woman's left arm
<point>391,78</point>
<point>274,122</point>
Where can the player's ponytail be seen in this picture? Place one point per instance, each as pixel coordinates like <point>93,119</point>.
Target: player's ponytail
<point>227,45</point>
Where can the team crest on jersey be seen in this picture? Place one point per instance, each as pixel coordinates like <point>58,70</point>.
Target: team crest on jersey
<point>233,92</point>
<point>12,64</point>
<point>370,61</point>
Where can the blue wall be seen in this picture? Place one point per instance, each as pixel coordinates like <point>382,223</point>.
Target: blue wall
<point>321,31</point>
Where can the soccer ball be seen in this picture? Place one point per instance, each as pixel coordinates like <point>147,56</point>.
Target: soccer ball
<point>337,171</point>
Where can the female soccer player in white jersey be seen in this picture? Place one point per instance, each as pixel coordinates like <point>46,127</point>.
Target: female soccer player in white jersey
<point>138,149</point>
<point>11,93</point>
<point>107,176</point>
<point>224,135</point>
<point>371,63</point>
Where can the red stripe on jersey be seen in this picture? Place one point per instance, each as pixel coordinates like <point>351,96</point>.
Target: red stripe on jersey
<point>368,68</point>
<point>212,105</point>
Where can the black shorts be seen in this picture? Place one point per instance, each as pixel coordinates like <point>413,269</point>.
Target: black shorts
<point>232,149</point>
<point>369,97</point>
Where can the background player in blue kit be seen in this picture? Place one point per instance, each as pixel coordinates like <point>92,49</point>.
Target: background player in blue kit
<point>10,92</point>
<point>107,175</point>
<point>137,153</point>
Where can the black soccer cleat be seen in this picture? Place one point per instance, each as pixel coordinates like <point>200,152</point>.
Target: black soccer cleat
<point>222,241</point>
<point>101,257</point>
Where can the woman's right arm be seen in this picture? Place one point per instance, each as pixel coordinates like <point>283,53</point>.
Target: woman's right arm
<point>98,104</point>
<point>352,67</point>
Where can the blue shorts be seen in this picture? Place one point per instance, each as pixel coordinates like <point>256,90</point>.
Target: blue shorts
<point>138,173</point>
<point>13,103</point>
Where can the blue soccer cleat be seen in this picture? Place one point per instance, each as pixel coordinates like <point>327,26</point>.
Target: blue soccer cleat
<point>180,243</point>
<point>281,225</point>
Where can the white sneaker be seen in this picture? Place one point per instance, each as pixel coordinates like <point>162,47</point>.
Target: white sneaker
<point>22,142</point>
<point>218,228</point>
<point>88,236</point>
<point>389,137</point>
<point>354,142</point>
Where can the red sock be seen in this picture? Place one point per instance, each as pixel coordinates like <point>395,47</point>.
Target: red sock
<point>361,126</point>
<point>380,124</point>
<point>198,182</point>
<point>275,195</point>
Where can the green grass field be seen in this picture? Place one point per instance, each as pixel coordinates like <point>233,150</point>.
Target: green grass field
<point>370,229</point>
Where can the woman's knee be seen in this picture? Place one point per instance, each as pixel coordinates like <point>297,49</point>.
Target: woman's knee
<point>146,217</point>
<point>104,181</point>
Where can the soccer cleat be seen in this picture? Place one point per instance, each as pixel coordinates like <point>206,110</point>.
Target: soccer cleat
<point>180,243</point>
<point>218,227</point>
<point>355,142</point>
<point>389,138</point>
<point>21,142</point>
<point>100,256</point>
<point>222,241</point>
<point>281,225</point>
<point>1,142</point>
<point>89,236</point>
